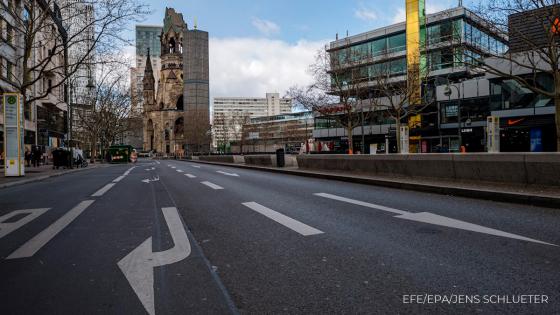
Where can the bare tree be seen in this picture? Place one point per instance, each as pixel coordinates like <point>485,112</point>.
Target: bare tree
<point>221,131</point>
<point>239,119</point>
<point>109,113</point>
<point>39,35</point>
<point>533,58</point>
<point>197,131</point>
<point>395,96</point>
<point>338,90</point>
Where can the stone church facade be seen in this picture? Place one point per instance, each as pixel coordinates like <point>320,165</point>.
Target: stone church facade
<point>163,116</point>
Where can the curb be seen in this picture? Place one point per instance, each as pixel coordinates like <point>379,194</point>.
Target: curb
<point>43,177</point>
<point>500,196</point>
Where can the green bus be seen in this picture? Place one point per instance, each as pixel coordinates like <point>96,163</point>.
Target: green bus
<point>120,153</point>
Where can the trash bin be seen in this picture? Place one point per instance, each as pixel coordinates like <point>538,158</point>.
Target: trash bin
<point>61,158</point>
<point>280,160</point>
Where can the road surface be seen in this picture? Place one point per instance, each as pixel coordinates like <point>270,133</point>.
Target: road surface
<point>175,237</point>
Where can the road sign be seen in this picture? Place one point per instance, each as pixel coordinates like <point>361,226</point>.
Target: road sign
<point>13,135</point>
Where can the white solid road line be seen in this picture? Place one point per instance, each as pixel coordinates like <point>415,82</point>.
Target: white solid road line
<point>138,265</point>
<point>103,190</point>
<point>227,174</point>
<point>361,203</point>
<point>190,175</point>
<point>286,221</point>
<point>431,218</point>
<point>33,245</point>
<point>118,179</point>
<point>129,170</point>
<point>8,227</point>
<point>212,185</point>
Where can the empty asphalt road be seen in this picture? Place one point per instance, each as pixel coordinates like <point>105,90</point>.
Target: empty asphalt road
<point>175,237</point>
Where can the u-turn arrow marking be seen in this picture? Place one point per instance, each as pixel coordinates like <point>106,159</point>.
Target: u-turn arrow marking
<point>138,265</point>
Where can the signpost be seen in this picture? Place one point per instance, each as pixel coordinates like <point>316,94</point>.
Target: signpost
<point>493,134</point>
<point>13,135</point>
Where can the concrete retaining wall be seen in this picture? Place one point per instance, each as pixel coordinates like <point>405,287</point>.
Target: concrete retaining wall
<point>516,168</point>
<point>259,159</point>
<point>222,158</point>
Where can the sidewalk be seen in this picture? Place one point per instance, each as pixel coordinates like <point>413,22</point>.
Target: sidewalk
<point>33,174</point>
<point>532,195</point>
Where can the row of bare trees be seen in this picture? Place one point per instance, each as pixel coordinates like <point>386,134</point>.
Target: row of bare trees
<point>351,97</point>
<point>107,115</point>
<point>49,36</point>
<point>39,34</point>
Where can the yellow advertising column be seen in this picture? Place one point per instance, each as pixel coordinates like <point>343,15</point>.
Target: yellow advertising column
<point>415,60</point>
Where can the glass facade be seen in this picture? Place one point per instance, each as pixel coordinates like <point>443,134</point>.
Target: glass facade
<point>373,118</point>
<point>481,40</point>
<point>445,31</point>
<point>509,94</point>
<point>148,37</point>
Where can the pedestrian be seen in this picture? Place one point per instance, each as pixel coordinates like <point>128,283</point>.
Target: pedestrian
<point>35,156</point>
<point>27,158</point>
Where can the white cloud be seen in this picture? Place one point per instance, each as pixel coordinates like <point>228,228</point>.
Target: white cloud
<point>431,7</point>
<point>266,27</point>
<point>365,14</point>
<point>252,67</point>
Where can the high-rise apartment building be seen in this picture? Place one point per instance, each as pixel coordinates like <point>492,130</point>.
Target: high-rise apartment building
<point>77,17</point>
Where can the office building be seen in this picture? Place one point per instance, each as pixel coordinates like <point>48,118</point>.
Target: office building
<point>291,132</point>
<point>229,114</point>
<point>454,40</point>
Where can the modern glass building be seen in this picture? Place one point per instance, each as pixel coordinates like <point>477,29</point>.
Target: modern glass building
<point>147,36</point>
<point>455,40</point>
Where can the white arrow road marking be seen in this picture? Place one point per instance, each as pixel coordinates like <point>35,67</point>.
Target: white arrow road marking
<point>179,171</point>
<point>212,185</point>
<point>286,221</point>
<point>361,203</point>
<point>118,179</point>
<point>33,245</point>
<point>138,265</point>
<point>103,190</point>
<point>190,175</point>
<point>427,217</point>
<point>148,180</point>
<point>195,166</point>
<point>227,174</point>
<point>8,227</point>
<point>431,218</point>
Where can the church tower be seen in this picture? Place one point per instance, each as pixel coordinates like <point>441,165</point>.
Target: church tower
<point>164,110</point>
<point>148,84</point>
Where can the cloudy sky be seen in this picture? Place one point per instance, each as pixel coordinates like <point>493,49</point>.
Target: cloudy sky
<point>267,45</point>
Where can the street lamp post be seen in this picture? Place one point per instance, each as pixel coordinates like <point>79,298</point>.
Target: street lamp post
<point>448,92</point>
